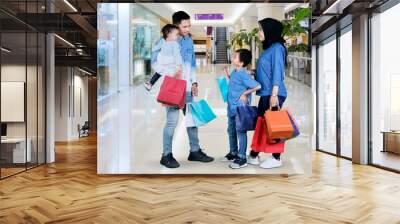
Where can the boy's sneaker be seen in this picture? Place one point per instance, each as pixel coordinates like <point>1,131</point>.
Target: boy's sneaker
<point>148,86</point>
<point>169,161</point>
<point>238,163</point>
<point>271,162</point>
<point>229,158</point>
<point>253,160</point>
<point>200,156</point>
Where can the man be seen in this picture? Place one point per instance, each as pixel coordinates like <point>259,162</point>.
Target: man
<point>182,21</point>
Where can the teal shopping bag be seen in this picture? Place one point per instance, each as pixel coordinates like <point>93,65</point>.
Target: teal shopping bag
<point>223,87</point>
<point>201,113</point>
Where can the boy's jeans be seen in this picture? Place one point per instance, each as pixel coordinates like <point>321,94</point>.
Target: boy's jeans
<point>234,135</point>
<point>169,129</point>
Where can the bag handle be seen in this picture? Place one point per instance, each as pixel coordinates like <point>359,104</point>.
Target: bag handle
<point>279,108</point>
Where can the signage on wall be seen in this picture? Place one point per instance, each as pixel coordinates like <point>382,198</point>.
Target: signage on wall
<point>209,16</point>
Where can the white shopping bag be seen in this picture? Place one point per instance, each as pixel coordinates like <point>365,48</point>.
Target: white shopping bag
<point>189,118</point>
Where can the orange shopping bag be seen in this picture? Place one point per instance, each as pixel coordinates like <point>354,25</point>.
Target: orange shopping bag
<point>261,141</point>
<point>278,124</point>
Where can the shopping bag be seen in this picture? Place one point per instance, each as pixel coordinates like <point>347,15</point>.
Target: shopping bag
<point>172,92</point>
<point>278,124</point>
<point>246,118</point>
<point>296,130</point>
<point>201,113</point>
<point>261,141</point>
<point>223,87</point>
<point>189,121</point>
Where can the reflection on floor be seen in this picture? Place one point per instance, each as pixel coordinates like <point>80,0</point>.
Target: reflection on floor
<point>386,159</point>
<point>131,123</point>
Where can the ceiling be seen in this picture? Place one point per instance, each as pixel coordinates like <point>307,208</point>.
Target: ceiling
<point>232,12</point>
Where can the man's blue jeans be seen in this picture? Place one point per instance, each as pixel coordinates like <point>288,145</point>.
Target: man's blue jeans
<point>234,135</point>
<point>169,129</point>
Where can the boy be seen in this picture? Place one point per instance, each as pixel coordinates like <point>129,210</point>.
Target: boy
<point>241,85</point>
<point>169,59</point>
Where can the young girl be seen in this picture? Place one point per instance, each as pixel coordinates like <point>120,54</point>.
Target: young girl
<point>241,85</point>
<point>169,59</point>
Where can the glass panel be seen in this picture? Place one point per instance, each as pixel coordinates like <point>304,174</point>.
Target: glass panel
<point>41,99</point>
<point>385,84</point>
<point>107,43</point>
<point>327,96</point>
<point>346,93</point>
<point>13,87</point>
<point>31,98</point>
<point>145,31</point>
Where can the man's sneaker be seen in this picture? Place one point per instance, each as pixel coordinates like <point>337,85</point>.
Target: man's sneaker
<point>238,163</point>
<point>169,161</point>
<point>253,160</point>
<point>200,156</point>
<point>147,86</point>
<point>270,163</point>
<point>228,158</point>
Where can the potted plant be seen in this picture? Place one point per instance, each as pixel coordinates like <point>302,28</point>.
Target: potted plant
<point>292,30</point>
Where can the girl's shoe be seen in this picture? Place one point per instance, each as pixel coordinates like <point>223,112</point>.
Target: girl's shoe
<point>253,160</point>
<point>228,157</point>
<point>271,162</point>
<point>238,163</point>
<point>147,86</point>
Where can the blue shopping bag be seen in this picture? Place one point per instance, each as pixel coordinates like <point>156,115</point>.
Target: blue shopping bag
<point>223,87</point>
<point>201,113</point>
<point>296,131</point>
<point>246,118</point>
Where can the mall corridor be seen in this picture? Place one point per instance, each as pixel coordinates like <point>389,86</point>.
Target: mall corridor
<point>136,112</point>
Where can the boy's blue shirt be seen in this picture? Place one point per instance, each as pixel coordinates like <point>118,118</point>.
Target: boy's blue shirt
<point>239,82</point>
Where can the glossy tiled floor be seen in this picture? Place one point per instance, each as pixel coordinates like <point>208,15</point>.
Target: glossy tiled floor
<point>131,124</point>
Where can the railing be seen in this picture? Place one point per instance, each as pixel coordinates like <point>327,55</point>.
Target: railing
<point>299,68</point>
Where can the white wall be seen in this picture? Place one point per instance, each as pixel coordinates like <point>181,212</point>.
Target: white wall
<point>71,102</point>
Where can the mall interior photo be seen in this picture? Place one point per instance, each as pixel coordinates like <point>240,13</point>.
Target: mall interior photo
<point>82,137</point>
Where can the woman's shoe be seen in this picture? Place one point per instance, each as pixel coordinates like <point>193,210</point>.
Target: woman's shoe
<point>253,160</point>
<point>271,162</point>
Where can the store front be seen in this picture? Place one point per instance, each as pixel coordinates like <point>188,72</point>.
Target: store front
<point>357,67</point>
<point>145,31</point>
<point>385,89</point>
<point>334,94</point>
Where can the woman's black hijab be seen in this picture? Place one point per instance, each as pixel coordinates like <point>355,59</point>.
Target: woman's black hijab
<point>272,30</point>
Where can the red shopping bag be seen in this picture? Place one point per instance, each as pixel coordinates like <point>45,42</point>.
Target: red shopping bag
<point>261,141</point>
<point>278,124</point>
<point>172,92</point>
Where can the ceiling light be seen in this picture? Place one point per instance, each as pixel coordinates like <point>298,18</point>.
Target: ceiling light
<point>65,41</point>
<point>333,9</point>
<point>5,50</point>
<point>70,5</point>
<point>84,71</point>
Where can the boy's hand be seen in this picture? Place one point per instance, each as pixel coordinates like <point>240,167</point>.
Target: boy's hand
<point>243,98</point>
<point>195,90</point>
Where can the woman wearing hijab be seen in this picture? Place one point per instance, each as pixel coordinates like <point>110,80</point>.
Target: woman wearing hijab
<point>270,74</point>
